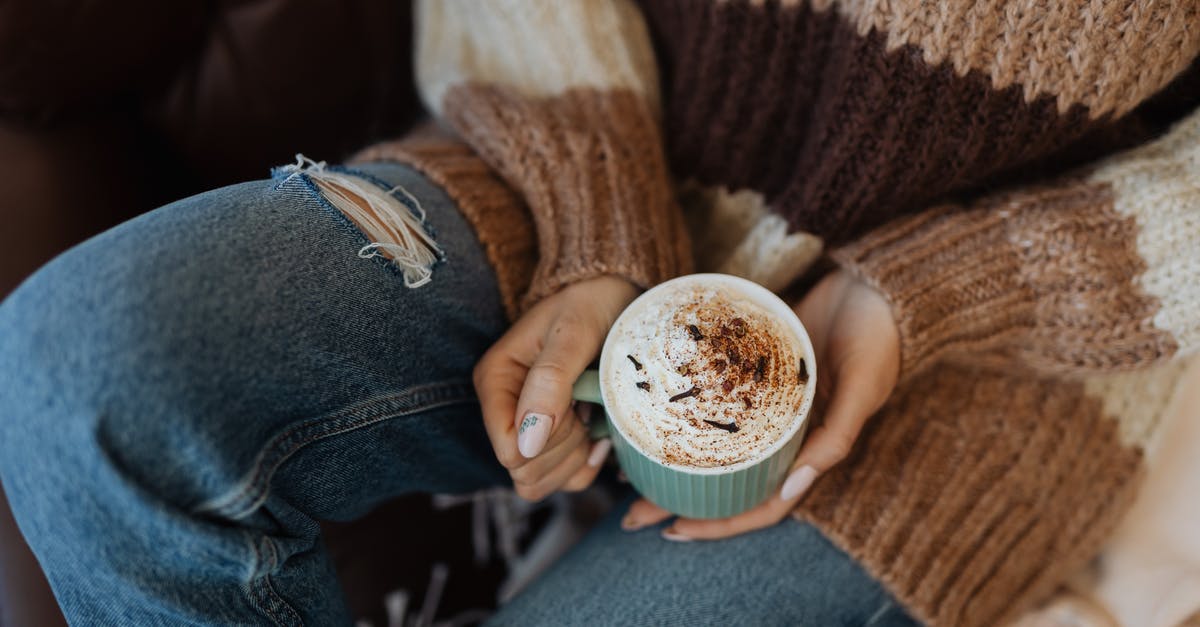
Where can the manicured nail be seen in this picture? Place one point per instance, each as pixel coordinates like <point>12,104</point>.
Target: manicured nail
<point>584,411</point>
<point>629,523</point>
<point>532,436</point>
<point>674,536</point>
<point>798,482</point>
<point>599,452</point>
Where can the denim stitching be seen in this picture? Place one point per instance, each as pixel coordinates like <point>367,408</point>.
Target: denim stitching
<point>275,596</point>
<point>254,487</point>
<point>257,597</point>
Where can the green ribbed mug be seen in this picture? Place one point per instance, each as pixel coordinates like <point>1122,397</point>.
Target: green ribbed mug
<point>696,492</point>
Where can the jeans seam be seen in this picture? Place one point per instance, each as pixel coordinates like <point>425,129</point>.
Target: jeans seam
<point>260,592</point>
<point>879,613</point>
<point>253,488</point>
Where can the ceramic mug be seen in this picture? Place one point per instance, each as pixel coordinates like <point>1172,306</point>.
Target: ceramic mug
<point>696,492</point>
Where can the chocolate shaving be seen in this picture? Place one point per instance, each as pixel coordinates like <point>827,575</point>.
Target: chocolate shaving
<point>730,427</point>
<point>682,395</point>
<point>636,364</point>
<point>696,334</point>
<point>643,385</point>
<point>727,385</point>
<point>803,372</point>
<point>719,366</point>
<point>733,356</point>
<point>747,402</point>
<point>684,369</point>
<point>739,326</point>
<point>760,369</point>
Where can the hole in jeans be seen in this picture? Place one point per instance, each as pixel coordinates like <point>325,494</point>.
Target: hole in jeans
<point>396,230</point>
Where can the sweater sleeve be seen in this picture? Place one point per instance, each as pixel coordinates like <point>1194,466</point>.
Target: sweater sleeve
<point>561,99</point>
<point>1098,271</point>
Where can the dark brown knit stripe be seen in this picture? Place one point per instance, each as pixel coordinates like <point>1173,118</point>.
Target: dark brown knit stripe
<point>980,492</point>
<point>1047,275</point>
<point>590,166</point>
<point>499,217</point>
<point>836,132</point>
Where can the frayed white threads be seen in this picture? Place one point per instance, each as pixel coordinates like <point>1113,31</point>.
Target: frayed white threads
<point>395,231</point>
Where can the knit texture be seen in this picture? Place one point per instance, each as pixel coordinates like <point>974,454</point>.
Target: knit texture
<point>843,124</point>
<point>1044,276</point>
<point>975,491</point>
<point>611,211</point>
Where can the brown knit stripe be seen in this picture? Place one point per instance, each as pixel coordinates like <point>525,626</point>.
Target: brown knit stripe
<point>589,165</point>
<point>499,217</point>
<point>980,492</point>
<point>840,132</point>
<point>1048,275</point>
<point>1106,56</point>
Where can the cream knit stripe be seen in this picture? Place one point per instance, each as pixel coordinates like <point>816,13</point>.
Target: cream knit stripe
<point>1107,56</point>
<point>737,233</point>
<point>1137,400</point>
<point>534,48</point>
<point>1158,186</point>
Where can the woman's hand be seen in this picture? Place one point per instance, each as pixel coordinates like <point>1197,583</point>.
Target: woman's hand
<point>857,347</point>
<point>524,386</point>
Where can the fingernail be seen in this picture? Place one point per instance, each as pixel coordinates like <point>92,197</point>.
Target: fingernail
<point>629,523</point>
<point>674,536</point>
<point>599,452</point>
<point>798,482</point>
<point>532,436</point>
<point>584,411</point>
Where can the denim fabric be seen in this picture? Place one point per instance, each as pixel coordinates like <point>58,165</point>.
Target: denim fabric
<point>788,574</point>
<point>183,397</point>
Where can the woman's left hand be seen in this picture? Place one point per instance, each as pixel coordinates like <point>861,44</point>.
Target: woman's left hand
<point>857,346</point>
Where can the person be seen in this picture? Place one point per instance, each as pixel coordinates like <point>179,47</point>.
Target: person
<point>1007,195</point>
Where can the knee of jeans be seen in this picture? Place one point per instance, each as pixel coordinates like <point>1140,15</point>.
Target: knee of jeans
<point>391,219</point>
<point>82,381</point>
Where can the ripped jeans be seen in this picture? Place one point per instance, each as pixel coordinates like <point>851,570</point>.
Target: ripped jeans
<point>183,397</point>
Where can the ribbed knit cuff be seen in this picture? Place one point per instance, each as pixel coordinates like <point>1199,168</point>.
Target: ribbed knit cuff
<point>1050,277</point>
<point>500,219</point>
<point>953,283</point>
<point>589,164</point>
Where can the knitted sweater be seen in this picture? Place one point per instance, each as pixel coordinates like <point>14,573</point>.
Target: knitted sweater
<point>1021,182</point>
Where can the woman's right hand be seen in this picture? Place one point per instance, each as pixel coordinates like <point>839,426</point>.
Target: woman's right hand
<point>524,385</point>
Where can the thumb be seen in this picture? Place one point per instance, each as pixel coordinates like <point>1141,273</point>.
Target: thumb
<point>569,346</point>
<point>853,401</point>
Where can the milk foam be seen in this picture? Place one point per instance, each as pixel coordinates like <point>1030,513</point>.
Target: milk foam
<point>737,366</point>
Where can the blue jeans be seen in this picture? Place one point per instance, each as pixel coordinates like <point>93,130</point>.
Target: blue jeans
<point>185,396</point>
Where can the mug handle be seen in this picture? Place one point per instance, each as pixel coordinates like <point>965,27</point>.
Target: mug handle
<point>587,388</point>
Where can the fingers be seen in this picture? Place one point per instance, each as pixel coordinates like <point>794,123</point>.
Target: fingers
<point>765,515</point>
<point>557,477</point>
<point>498,381</point>
<point>643,513</point>
<point>534,470</point>
<point>570,344</point>
<point>855,397</point>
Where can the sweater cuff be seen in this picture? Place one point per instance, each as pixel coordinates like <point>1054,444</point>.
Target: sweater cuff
<point>589,164</point>
<point>500,220</point>
<point>952,283</point>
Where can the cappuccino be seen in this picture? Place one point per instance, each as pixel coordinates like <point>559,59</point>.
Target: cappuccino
<point>704,375</point>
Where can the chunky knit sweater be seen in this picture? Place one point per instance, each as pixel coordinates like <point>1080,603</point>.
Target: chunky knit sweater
<point>1020,180</point>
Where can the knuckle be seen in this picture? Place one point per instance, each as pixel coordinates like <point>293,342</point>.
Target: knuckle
<point>550,371</point>
<point>840,445</point>
<point>578,483</point>
<point>530,493</point>
<point>512,460</point>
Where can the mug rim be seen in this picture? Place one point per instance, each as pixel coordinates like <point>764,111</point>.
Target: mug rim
<point>762,296</point>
